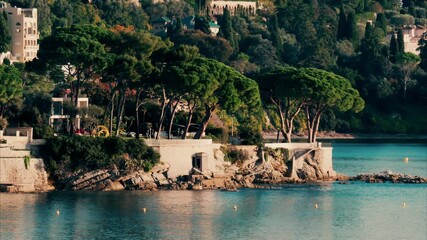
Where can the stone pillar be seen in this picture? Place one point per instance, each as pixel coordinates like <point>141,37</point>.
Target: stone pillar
<point>1,133</point>
<point>17,133</point>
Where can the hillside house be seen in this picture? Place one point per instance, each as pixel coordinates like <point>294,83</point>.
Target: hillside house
<point>411,35</point>
<point>160,25</point>
<point>23,29</point>
<point>189,23</point>
<point>58,120</point>
<point>235,7</point>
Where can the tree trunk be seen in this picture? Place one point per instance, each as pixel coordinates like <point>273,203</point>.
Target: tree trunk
<point>137,105</point>
<point>190,117</point>
<point>120,109</point>
<point>162,113</point>
<point>309,124</point>
<point>172,118</point>
<point>112,113</point>
<point>205,121</point>
<point>283,129</point>
<point>77,89</point>
<point>316,124</point>
<point>187,125</point>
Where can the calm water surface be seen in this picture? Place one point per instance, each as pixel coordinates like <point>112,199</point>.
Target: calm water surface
<point>352,211</point>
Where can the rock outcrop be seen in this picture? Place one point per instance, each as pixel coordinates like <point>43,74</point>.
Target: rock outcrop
<point>388,176</point>
<point>260,167</point>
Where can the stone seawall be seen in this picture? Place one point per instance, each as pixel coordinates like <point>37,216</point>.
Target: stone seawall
<point>14,177</point>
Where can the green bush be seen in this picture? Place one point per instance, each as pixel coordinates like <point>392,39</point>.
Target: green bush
<point>217,134</point>
<point>90,153</point>
<point>43,132</point>
<point>234,155</point>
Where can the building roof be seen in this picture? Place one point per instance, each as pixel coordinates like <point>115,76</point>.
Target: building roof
<point>213,25</point>
<point>161,20</point>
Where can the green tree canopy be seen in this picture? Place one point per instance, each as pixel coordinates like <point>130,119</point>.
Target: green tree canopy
<point>5,37</point>
<point>79,50</point>
<point>10,86</point>
<point>219,86</point>
<point>282,88</point>
<point>325,90</point>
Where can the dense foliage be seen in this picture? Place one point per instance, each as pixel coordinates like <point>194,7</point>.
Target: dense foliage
<point>144,83</point>
<point>91,153</point>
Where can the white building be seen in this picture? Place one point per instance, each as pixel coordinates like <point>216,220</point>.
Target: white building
<point>23,30</point>
<point>58,119</point>
<point>411,36</point>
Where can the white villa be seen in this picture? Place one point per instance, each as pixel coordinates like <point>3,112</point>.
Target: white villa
<point>57,117</point>
<point>23,29</point>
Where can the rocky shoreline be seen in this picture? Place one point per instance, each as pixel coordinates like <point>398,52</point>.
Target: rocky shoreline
<point>261,168</point>
<point>110,180</point>
<point>388,176</point>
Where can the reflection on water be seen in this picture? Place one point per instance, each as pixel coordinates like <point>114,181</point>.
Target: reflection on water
<point>353,211</point>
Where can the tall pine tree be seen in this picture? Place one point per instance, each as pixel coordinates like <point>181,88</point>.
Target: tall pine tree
<point>275,37</point>
<point>368,30</point>
<point>400,42</point>
<point>381,22</point>
<point>227,30</point>
<point>394,50</point>
<point>352,28</point>
<point>202,24</point>
<point>342,26</point>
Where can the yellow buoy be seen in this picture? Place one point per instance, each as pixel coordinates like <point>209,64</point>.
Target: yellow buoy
<point>144,210</point>
<point>316,206</point>
<point>57,212</point>
<point>235,207</point>
<point>406,159</point>
<point>403,205</point>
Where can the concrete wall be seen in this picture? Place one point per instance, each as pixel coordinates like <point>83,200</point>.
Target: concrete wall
<point>13,171</point>
<point>178,154</point>
<point>19,132</point>
<point>292,146</point>
<point>15,140</point>
<point>326,160</point>
<point>324,153</point>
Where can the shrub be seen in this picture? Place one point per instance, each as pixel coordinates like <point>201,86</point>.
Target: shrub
<point>43,132</point>
<point>281,154</point>
<point>234,155</point>
<point>90,153</point>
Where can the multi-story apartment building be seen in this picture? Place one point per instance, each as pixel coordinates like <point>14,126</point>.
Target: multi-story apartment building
<point>23,29</point>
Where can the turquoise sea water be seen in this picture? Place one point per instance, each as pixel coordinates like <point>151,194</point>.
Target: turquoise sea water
<point>345,211</point>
